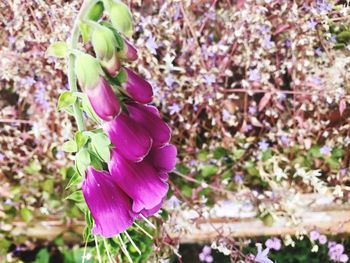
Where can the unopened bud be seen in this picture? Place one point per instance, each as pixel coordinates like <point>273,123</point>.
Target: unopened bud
<point>128,52</point>
<point>88,70</point>
<point>121,18</point>
<point>96,12</point>
<point>105,44</point>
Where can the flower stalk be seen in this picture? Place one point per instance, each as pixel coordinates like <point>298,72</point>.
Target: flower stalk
<point>72,80</point>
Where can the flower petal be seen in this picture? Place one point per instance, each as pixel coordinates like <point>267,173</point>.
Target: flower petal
<point>146,117</point>
<point>103,100</point>
<point>109,205</point>
<point>130,138</point>
<point>139,180</point>
<point>163,159</point>
<point>138,88</point>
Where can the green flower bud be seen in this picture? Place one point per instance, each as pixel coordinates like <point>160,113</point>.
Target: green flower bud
<point>88,71</point>
<point>105,46</point>
<point>104,43</point>
<point>96,12</point>
<point>121,18</point>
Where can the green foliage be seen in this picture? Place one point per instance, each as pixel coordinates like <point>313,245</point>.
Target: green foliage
<point>66,99</point>
<point>57,49</point>
<point>43,256</point>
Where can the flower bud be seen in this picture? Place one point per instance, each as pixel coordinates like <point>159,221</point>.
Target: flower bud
<point>136,87</point>
<point>105,44</point>
<point>98,90</point>
<point>121,19</point>
<point>103,100</point>
<point>128,52</point>
<point>88,71</point>
<point>96,12</point>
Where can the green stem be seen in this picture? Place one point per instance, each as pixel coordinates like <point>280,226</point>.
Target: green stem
<point>72,80</point>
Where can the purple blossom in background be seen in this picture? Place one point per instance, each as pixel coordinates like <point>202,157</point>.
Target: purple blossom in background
<point>27,81</point>
<point>211,15</point>
<point>316,80</point>
<point>312,24</point>
<point>252,109</point>
<point>314,235</point>
<point>254,75</point>
<point>264,29</point>
<point>288,43</point>
<point>39,98</point>
<point>322,239</point>
<point>326,150</point>
<point>2,157</point>
<point>281,96</point>
<point>248,128</point>
<point>178,13</point>
<point>285,139</point>
<point>318,51</point>
<point>205,255</point>
<point>333,39</point>
<point>175,108</point>
<point>336,251</point>
<point>324,6</point>
<point>226,115</point>
<point>261,256</point>
<point>238,178</point>
<point>263,145</point>
<point>343,171</point>
<point>273,243</point>
<point>169,80</point>
<point>209,79</point>
<point>267,43</point>
<point>12,40</point>
<point>173,202</point>
<point>152,45</point>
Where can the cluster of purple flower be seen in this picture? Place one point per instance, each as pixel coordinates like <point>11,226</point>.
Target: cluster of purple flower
<point>135,184</point>
<point>205,255</point>
<point>273,243</point>
<point>336,252</point>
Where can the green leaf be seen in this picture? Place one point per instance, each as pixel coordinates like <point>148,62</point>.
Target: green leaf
<point>74,180</point>
<point>81,139</point>
<point>66,99</point>
<point>202,155</point>
<point>82,161</point>
<point>85,32</point>
<point>100,143</point>
<point>43,256</point>
<point>209,170</point>
<point>96,161</point>
<point>219,153</point>
<point>238,153</point>
<point>76,196</point>
<point>182,168</point>
<point>70,146</point>
<point>26,214</point>
<point>57,49</point>
<point>267,154</point>
<point>87,108</point>
<point>33,167</point>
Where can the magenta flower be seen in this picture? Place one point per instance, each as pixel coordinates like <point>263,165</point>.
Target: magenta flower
<point>148,117</point>
<point>103,100</point>
<point>140,181</point>
<point>137,88</point>
<point>163,159</point>
<point>128,52</point>
<point>129,137</point>
<point>109,205</point>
